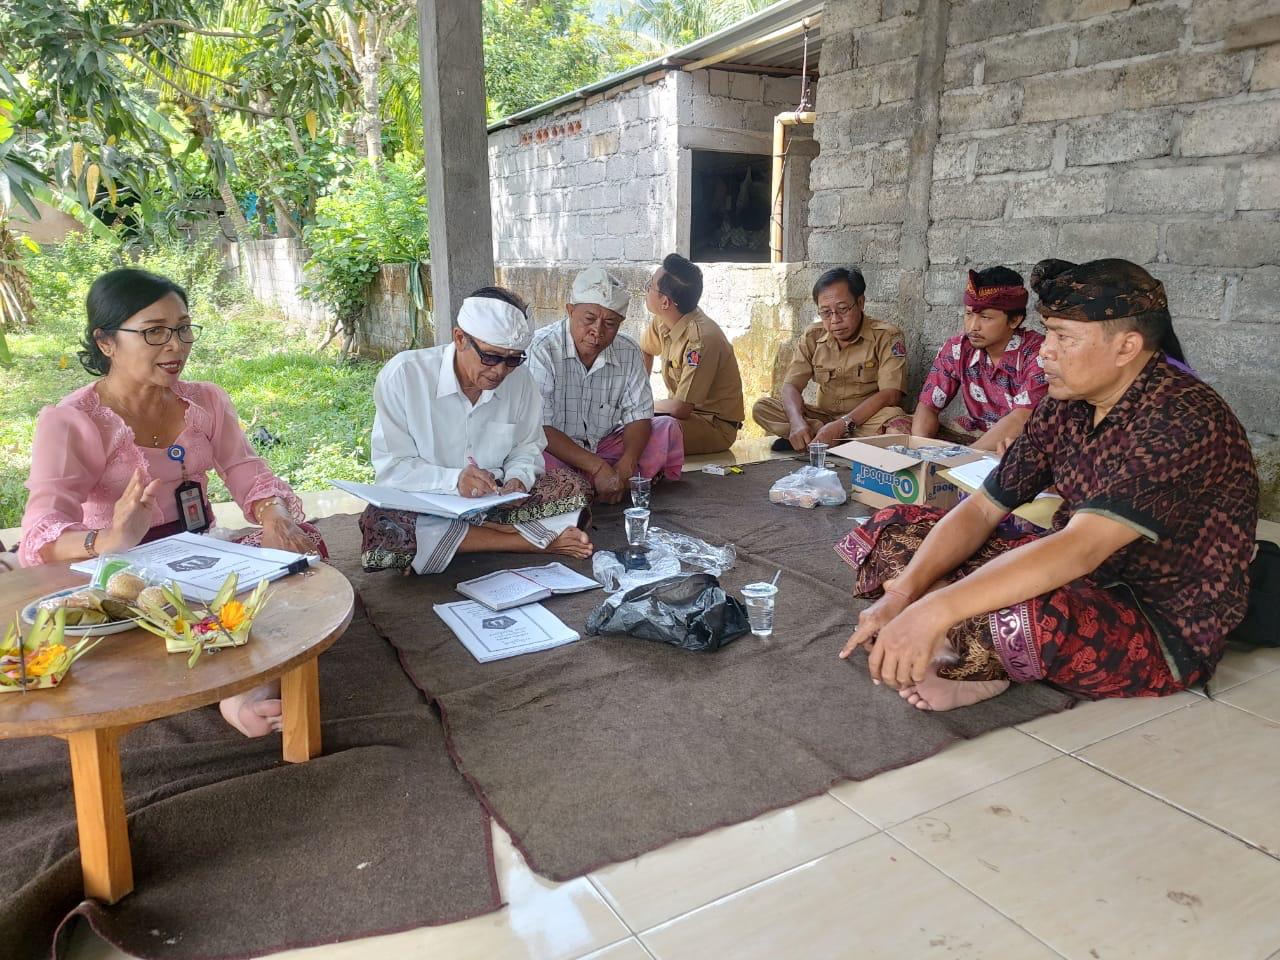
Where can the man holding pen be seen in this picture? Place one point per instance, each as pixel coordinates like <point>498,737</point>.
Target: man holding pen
<point>466,418</point>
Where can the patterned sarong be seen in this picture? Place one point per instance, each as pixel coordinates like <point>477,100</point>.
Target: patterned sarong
<point>1091,640</point>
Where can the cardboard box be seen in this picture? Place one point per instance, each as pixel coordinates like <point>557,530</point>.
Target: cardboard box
<point>883,478</point>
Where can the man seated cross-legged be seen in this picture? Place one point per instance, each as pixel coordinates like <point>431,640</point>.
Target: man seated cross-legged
<point>858,363</point>
<point>464,418</point>
<point>597,406</point>
<point>1145,571</point>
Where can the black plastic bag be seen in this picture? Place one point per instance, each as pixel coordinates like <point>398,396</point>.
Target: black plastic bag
<point>691,612</point>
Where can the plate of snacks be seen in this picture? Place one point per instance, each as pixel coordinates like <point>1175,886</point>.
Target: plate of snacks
<point>95,611</point>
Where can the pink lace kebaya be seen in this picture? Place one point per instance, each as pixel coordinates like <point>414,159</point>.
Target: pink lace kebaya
<point>84,455</point>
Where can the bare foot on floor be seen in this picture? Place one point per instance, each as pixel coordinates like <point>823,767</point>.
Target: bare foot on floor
<point>572,543</point>
<point>935,693</point>
<point>256,713</point>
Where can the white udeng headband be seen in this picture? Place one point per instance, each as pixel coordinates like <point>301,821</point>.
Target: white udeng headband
<point>596,285</point>
<point>495,322</point>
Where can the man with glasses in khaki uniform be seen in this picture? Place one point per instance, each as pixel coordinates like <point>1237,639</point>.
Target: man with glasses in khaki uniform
<point>698,363</point>
<point>858,363</point>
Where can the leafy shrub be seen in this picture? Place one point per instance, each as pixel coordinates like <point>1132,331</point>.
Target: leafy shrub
<point>377,217</point>
<point>62,274</point>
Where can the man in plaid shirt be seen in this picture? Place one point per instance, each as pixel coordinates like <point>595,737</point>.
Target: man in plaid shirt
<point>597,406</point>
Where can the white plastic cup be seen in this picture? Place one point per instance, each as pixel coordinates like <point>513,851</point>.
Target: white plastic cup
<point>640,487</point>
<point>818,455</point>
<point>760,598</point>
<point>637,520</point>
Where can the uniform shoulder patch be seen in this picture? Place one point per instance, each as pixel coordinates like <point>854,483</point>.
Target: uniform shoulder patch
<point>899,348</point>
<point>693,357</point>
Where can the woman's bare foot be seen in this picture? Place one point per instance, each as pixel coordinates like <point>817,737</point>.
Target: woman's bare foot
<point>935,693</point>
<point>572,543</point>
<point>256,713</point>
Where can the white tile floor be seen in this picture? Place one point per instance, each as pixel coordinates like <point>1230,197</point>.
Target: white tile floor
<point>1142,828</point>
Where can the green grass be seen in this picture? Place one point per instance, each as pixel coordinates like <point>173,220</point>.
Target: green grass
<point>321,410</point>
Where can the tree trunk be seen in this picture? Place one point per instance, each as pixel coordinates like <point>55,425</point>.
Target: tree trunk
<point>286,226</point>
<point>238,223</point>
<point>371,109</point>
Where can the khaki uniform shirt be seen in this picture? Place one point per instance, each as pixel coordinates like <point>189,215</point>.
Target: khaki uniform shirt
<point>698,365</point>
<point>876,360</point>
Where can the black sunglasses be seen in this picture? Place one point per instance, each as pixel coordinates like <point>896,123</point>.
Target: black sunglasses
<point>493,359</point>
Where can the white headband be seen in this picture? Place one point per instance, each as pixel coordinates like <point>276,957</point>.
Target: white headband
<point>495,322</point>
<point>596,285</point>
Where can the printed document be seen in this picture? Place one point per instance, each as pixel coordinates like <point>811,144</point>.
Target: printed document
<point>200,564</point>
<point>492,635</point>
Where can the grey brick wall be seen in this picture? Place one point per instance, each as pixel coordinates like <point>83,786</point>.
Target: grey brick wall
<point>599,180</point>
<point>1070,128</point>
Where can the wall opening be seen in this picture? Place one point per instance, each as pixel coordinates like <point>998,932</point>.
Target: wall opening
<point>730,205</point>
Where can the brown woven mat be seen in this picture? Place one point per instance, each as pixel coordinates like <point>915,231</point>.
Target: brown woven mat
<point>603,749</point>
<point>236,853</point>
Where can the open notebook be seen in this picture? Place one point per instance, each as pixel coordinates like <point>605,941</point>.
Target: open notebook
<point>437,504</point>
<point>513,588</point>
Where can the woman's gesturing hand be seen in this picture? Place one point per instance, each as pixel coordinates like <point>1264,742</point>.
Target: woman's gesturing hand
<point>132,516</point>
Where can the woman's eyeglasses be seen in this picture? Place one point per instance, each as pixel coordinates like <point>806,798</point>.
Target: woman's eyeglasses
<point>159,336</point>
<point>493,359</point>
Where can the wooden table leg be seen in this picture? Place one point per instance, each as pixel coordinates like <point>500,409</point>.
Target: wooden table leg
<point>104,834</point>
<point>300,700</point>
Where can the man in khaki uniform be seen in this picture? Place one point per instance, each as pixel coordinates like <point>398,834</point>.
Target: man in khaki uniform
<point>698,363</point>
<point>858,363</point>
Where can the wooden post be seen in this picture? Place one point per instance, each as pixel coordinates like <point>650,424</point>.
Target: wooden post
<point>104,834</point>
<point>780,124</point>
<point>300,700</point>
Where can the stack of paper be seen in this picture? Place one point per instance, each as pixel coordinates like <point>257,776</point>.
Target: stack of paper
<point>513,588</point>
<point>491,635</point>
<point>200,564</point>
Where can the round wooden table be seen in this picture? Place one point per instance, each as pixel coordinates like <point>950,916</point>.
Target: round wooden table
<point>129,679</point>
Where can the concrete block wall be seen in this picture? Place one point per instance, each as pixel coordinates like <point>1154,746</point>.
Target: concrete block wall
<point>594,181</point>
<point>275,270</point>
<point>603,180</point>
<point>973,132</point>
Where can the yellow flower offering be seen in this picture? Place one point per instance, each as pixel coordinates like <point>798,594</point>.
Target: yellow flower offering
<point>194,629</point>
<point>41,659</point>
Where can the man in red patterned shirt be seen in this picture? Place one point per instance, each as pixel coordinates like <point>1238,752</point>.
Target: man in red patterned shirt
<point>994,366</point>
<point>1146,570</point>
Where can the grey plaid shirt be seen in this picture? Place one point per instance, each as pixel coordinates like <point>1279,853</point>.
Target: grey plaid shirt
<point>588,405</point>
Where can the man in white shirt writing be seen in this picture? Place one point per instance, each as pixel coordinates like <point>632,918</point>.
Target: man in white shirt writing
<point>597,406</point>
<point>465,418</point>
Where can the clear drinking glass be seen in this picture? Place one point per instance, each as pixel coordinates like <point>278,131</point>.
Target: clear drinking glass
<point>817,455</point>
<point>640,487</point>
<point>760,598</point>
<point>637,519</point>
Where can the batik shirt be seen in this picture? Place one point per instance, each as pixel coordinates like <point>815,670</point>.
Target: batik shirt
<point>1171,461</point>
<point>991,391</point>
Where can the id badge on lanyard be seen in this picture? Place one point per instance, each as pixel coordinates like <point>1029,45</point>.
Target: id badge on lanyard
<point>189,496</point>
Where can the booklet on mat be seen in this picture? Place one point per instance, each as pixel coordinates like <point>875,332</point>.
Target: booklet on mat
<point>491,635</point>
<point>437,504</point>
<point>513,588</point>
<point>199,564</point>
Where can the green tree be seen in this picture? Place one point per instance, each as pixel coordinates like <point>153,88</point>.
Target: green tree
<point>536,50</point>
<point>675,23</point>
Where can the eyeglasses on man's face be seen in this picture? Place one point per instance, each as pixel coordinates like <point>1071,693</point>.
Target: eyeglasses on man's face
<point>493,359</point>
<point>841,310</point>
<point>158,336</point>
